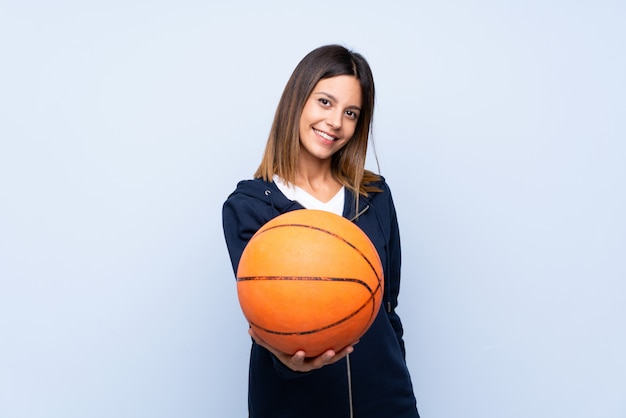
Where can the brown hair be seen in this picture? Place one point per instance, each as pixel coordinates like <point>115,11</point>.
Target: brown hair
<point>283,144</point>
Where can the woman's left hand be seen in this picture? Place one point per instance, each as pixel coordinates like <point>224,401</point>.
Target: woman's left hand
<point>299,362</point>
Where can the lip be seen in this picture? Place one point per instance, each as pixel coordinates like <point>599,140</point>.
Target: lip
<point>323,135</point>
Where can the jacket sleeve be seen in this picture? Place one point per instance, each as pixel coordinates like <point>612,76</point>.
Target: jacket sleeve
<point>393,271</point>
<point>241,218</point>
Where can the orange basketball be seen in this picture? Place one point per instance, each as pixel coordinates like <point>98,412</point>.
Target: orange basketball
<point>310,280</point>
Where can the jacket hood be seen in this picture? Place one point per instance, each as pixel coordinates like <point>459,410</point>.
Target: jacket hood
<point>269,193</point>
<point>266,192</point>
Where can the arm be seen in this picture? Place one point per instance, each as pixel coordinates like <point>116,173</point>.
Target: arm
<point>241,219</point>
<point>393,271</point>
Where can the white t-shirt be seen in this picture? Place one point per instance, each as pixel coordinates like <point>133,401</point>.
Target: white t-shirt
<point>293,192</point>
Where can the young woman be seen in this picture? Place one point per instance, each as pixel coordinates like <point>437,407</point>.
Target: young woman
<point>315,159</point>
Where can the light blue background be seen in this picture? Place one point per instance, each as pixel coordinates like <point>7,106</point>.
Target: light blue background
<point>125,124</point>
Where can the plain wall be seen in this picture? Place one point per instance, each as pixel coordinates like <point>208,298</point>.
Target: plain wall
<point>124,125</point>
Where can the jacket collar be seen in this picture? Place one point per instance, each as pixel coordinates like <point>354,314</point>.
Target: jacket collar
<point>269,193</point>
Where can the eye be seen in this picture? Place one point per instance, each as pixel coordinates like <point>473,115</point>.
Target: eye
<point>352,114</point>
<point>324,102</point>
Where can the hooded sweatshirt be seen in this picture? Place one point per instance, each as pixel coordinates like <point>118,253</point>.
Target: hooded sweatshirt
<point>374,381</point>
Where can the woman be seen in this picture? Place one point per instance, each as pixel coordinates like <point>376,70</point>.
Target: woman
<point>315,159</point>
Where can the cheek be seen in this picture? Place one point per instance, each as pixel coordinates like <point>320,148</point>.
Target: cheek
<point>351,130</point>
<point>303,123</point>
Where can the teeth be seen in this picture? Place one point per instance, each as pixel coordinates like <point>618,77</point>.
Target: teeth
<point>325,135</point>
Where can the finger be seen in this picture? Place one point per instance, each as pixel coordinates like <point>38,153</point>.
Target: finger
<point>340,355</point>
<point>298,359</point>
<point>323,359</point>
<point>348,350</point>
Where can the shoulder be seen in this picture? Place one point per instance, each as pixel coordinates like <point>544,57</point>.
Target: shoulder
<point>256,199</point>
<point>250,187</point>
<point>247,194</point>
<point>382,202</point>
<point>383,189</point>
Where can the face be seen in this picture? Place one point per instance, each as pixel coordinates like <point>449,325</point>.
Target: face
<point>329,117</point>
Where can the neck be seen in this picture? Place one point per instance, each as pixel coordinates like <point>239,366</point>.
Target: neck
<point>316,178</point>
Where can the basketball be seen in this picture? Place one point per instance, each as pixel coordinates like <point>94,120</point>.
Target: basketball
<point>310,280</point>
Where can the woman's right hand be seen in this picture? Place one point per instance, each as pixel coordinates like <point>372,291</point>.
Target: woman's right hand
<point>299,362</point>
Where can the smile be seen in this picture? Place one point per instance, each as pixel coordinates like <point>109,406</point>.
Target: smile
<point>325,135</point>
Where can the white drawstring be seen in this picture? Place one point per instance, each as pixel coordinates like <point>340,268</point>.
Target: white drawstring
<point>349,385</point>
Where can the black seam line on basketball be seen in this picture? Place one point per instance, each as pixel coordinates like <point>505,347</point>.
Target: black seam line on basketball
<point>303,278</point>
<point>372,296</point>
<point>309,278</point>
<point>313,331</point>
<point>339,237</point>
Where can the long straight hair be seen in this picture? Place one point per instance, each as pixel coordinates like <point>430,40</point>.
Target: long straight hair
<point>283,144</point>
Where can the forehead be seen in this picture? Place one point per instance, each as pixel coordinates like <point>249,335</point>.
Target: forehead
<point>346,89</point>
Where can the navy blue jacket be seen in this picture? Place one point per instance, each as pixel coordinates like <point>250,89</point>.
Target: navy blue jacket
<point>381,385</point>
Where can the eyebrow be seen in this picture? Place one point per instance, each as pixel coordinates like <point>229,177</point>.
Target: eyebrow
<point>333,98</point>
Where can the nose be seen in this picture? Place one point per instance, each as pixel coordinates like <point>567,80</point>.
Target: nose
<point>334,119</point>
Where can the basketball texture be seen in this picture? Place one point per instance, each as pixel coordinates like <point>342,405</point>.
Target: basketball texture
<point>310,280</point>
